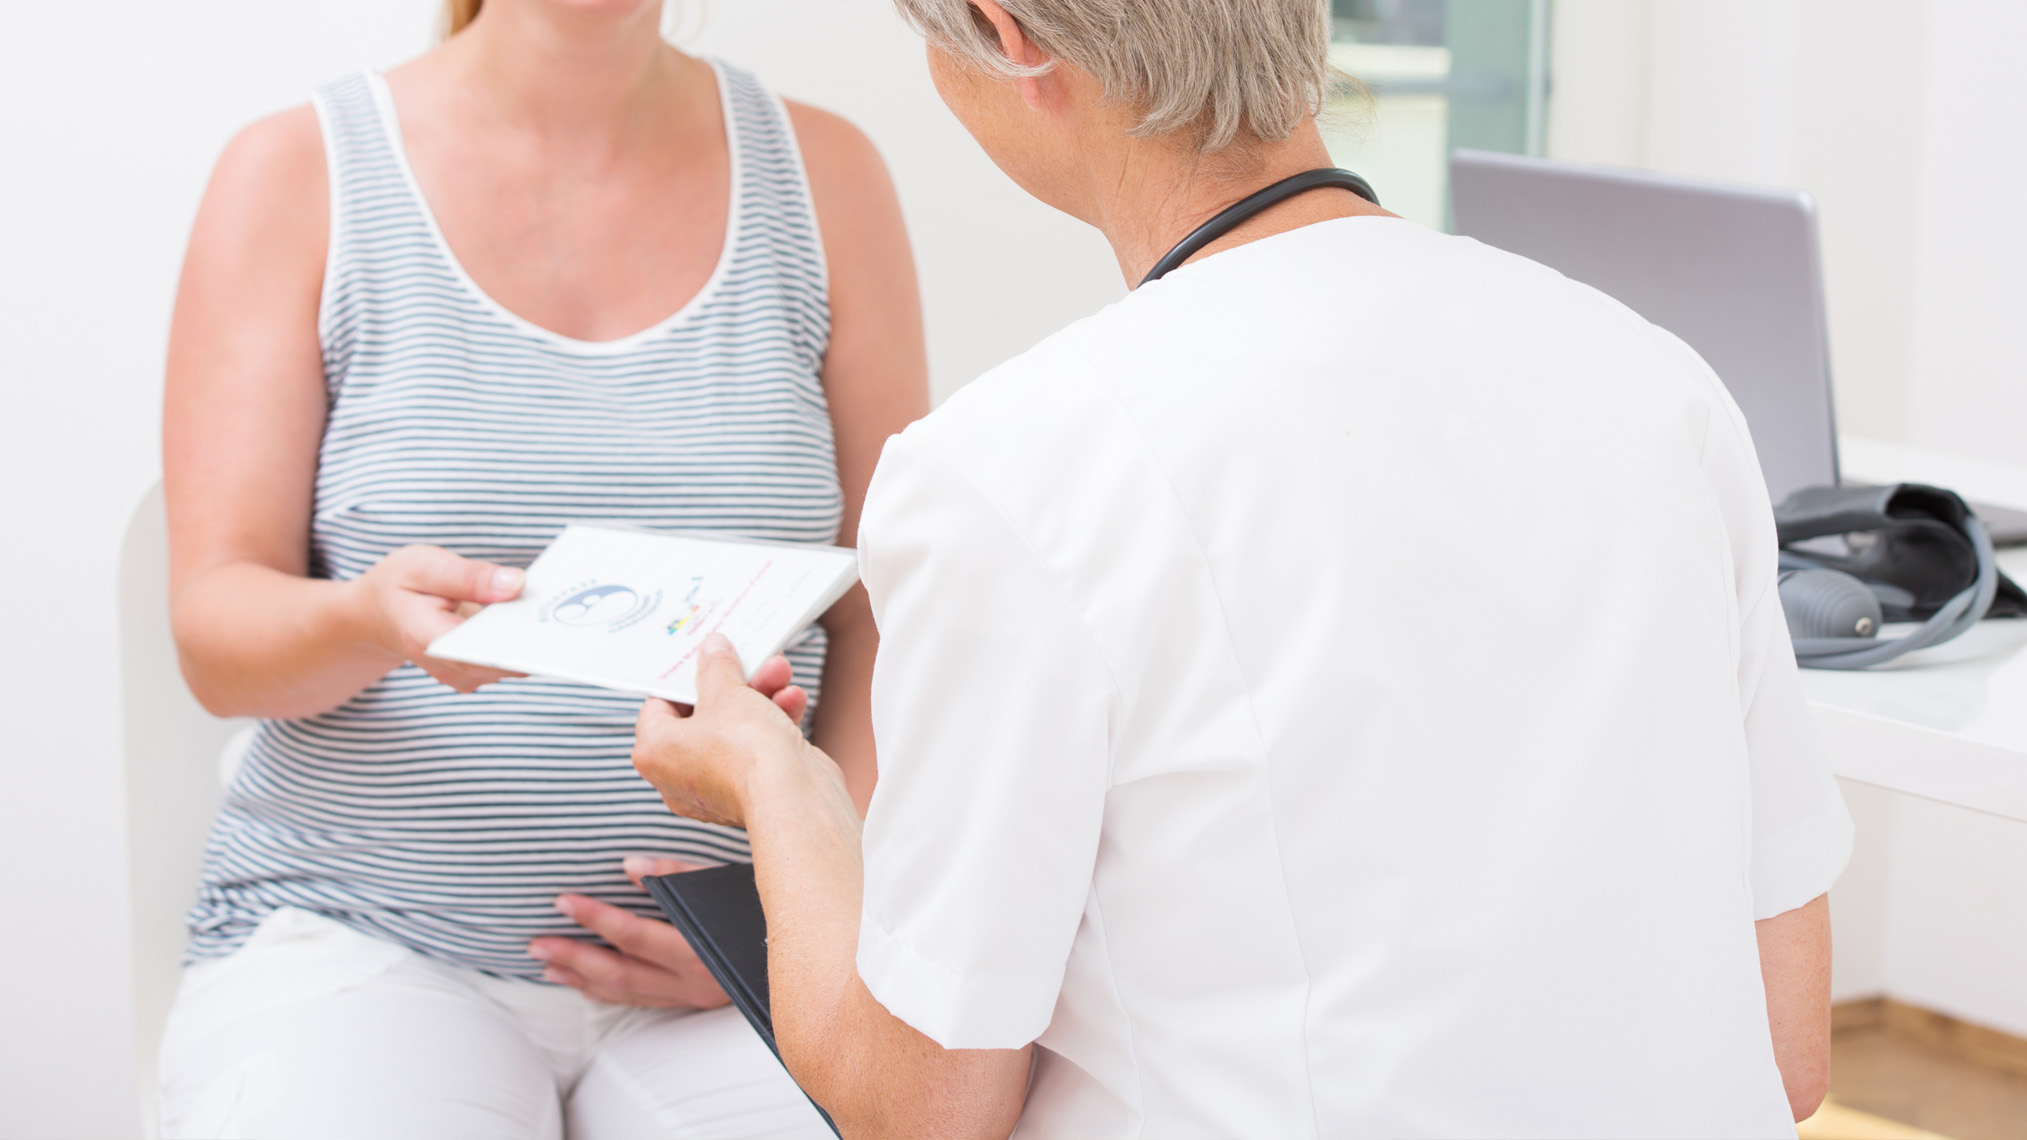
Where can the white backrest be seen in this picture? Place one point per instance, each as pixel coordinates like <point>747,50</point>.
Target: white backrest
<point>172,767</point>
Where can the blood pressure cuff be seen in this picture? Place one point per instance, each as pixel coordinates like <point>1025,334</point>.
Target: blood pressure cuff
<point>1907,536</point>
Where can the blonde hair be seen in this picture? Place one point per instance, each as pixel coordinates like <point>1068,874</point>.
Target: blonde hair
<point>1219,71</point>
<point>458,13</point>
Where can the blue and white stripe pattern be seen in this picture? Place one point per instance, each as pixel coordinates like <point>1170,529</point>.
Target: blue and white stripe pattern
<point>448,823</point>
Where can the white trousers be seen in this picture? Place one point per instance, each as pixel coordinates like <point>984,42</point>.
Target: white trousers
<point>314,1030</point>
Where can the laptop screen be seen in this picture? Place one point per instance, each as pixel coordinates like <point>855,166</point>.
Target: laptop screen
<point>1733,271</point>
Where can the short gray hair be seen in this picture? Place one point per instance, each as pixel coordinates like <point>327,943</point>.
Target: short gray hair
<point>1219,69</point>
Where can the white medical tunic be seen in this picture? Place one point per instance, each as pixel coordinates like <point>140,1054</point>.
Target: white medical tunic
<point>1340,690</point>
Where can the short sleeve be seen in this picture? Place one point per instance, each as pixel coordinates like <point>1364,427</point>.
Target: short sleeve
<point>990,709</point>
<point>1801,832</point>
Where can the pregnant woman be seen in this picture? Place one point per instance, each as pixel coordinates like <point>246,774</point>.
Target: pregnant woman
<point>553,270</point>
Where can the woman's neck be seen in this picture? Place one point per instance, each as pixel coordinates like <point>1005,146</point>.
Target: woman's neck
<point>591,82</point>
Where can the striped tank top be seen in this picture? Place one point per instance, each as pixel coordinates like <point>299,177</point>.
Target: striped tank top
<point>444,822</point>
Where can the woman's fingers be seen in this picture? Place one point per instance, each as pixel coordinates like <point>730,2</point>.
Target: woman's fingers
<point>637,937</point>
<point>606,976</point>
<point>638,867</point>
<point>564,976</point>
<point>428,593</point>
<point>439,573</point>
<point>415,621</point>
<point>593,964</point>
<point>418,593</point>
<point>460,676</point>
<point>418,619</point>
<point>663,973</point>
<point>652,957</point>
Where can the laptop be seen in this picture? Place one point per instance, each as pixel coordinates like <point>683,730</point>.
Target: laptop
<point>1735,271</point>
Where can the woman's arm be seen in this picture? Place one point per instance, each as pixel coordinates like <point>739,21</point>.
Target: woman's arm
<point>875,376</point>
<point>243,418</point>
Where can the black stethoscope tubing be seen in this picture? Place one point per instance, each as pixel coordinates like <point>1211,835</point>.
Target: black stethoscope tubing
<point>1231,217</point>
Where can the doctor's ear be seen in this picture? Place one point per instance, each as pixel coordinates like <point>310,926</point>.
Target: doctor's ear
<point>1020,51</point>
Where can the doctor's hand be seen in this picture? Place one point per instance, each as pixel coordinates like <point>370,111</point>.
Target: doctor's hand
<point>419,593</point>
<point>650,964</point>
<point>700,762</point>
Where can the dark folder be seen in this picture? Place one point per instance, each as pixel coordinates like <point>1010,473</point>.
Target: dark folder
<point>718,910</point>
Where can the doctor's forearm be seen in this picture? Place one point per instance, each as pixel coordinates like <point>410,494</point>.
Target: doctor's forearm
<point>804,831</point>
<point>871,1071</point>
<point>1795,969</point>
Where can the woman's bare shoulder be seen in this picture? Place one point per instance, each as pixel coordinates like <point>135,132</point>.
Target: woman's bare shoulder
<point>843,164</point>
<point>271,186</point>
<point>253,274</point>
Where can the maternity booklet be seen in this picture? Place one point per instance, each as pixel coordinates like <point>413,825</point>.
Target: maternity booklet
<point>629,610</point>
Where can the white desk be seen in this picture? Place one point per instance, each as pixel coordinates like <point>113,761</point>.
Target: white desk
<point>1949,723</point>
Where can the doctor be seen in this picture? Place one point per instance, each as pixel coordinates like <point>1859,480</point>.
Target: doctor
<point>1337,690</point>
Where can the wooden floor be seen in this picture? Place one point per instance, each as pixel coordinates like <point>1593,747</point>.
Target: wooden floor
<point>1899,1073</point>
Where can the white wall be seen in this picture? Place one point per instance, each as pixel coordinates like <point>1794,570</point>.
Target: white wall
<point>1902,118</point>
<point>1825,95</point>
<point>1970,366</point>
<point>1933,909</point>
<point>1955,936</point>
<point>1859,902</point>
<point>111,114</point>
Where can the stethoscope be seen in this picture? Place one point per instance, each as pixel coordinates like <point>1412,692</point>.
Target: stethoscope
<point>1231,217</point>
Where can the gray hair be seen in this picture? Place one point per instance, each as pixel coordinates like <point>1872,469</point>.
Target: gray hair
<point>1222,70</point>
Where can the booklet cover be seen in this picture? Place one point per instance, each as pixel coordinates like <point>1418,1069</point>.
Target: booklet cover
<point>628,609</point>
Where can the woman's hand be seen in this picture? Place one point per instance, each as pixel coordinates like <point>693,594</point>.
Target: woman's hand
<point>699,759</point>
<point>652,966</point>
<point>418,593</point>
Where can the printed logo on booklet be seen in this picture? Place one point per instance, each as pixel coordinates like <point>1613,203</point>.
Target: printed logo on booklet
<point>593,605</point>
